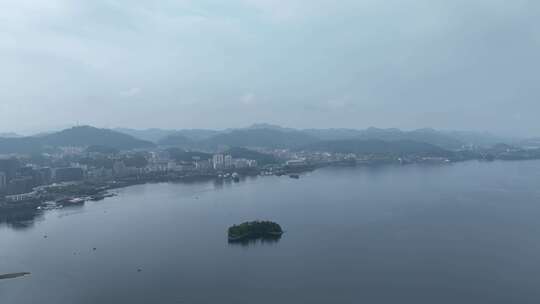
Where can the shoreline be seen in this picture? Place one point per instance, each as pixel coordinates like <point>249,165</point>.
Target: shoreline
<point>97,191</point>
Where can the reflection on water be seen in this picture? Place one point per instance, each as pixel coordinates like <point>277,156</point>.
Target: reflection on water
<point>268,240</point>
<point>385,235</point>
<point>13,275</point>
<point>24,218</point>
<point>20,218</point>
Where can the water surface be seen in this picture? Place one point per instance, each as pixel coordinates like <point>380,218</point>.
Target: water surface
<point>461,233</point>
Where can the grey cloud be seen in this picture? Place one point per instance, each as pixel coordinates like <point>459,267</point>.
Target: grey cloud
<point>397,63</point>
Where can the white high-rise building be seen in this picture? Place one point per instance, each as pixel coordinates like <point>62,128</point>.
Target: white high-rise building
<point>218,161</point>
<point>228,161</point>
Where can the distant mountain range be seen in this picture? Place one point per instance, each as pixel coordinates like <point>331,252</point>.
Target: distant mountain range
<point>376,146</point>
<point>176,140</point>
<point>530,143</point>
<point>9,135</point>
<point>161,136</point>
<point>265,138</point>
<point>256,136</point>
<point>422,135</point>
<point>152,135</point>
<point>273,136</point>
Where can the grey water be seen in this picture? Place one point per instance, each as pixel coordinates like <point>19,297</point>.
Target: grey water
<point>459,233</point>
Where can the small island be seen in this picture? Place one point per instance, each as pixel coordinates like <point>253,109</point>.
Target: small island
<point>255,230</point>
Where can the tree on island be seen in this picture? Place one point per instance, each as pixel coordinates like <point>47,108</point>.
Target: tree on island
<point>255,230</point>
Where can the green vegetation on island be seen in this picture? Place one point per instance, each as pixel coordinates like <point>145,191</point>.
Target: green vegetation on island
<point>255,230</point>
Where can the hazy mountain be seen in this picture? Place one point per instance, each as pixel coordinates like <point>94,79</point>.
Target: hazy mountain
<point>529,143</point>
<point>20,145</point>
<point>257,135</point>
<point>101,149</point>
<point>197,134</point>
<point>434,137</point>
<point>333,134</point>
<point>177,140</point>
<point>480,139</point>
<point>274,136</point>
<point>45,133</point>
<point>375,146</point>
<point>9,135</point>
<point>422,135</point>
<point>183,155</point>
<point>267,126</point>
<point>451,140</point>
<point>444,139</point>
<point>267,138</point>
<point>501,148</point>
<point>78,137</point>
<point>153,135</point>
<point>90,136</point>
<point>169,137</point>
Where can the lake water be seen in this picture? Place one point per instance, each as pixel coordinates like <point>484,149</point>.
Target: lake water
<point>461,233</point>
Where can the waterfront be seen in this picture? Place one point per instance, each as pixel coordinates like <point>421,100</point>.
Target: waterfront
<point>458,233</point>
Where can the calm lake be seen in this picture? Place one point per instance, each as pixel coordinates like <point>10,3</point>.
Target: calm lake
<point>460,233</point>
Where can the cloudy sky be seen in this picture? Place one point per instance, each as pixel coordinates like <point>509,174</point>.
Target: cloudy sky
<point>460,64</point>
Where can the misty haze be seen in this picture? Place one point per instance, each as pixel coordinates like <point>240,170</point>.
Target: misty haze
<point>264,151</point>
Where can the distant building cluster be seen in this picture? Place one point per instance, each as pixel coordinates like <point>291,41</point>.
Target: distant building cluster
<point>225,162</point>
<point>19,176</point>
<point>16,178</point>
<point>218,162</point>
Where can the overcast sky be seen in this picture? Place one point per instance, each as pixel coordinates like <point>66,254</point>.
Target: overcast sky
<point>460,64</point>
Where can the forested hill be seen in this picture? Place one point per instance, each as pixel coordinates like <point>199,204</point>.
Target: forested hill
<point>76,137</point>
<point>402,147</point>
<point>266,138</point>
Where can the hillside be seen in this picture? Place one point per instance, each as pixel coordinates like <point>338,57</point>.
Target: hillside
<point>9,135</point>
<point>182,155</point>
<point>25,145</point>
<point>177,140</point>
<point>259,135</point>
<point>479,139</point>
<point>75,137</point>
<point>197,134</point>
<point>90,136</point>
<point>274,136</point>
<point>373,146</point>
<point>266,138</point>
<point>166,135</point>
<point>429,136</point>
<point>261,158</point>
<point>153,135</point>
